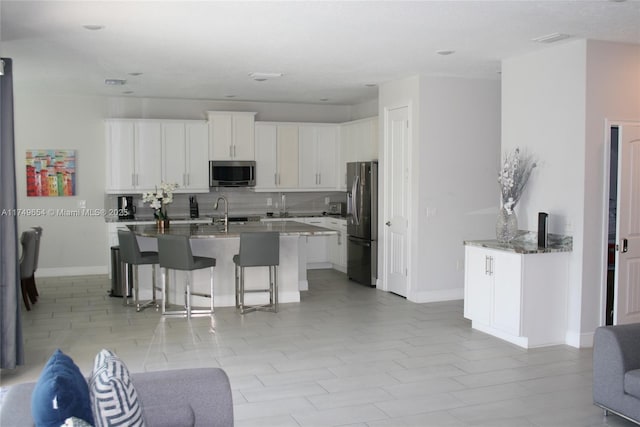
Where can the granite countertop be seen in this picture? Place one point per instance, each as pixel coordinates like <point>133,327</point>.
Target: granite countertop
<point>209,217</point>
<point>527,243</point>
<point>196,231</point>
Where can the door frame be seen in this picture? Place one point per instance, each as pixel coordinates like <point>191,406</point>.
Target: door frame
<point>383,201</point>
<point>609,123</point>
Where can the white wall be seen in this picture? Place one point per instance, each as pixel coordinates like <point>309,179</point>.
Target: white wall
<point>459,154</point>
<point>69,123</point>
<point>543,105</point>
<point>555,102</point>
<point>455,142</point>
<point>78,245</point>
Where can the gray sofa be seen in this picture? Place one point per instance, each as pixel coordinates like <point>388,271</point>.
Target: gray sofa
<point>175,398</point>
<point>616,370</point>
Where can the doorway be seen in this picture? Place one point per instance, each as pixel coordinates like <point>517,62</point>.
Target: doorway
<point>622,302</point>
<point>611,232</point>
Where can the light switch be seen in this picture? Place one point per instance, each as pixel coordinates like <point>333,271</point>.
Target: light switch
<point>269,201</point>
<point>82,204</point>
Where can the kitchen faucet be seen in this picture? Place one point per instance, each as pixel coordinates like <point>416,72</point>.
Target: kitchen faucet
<point>226,211</point>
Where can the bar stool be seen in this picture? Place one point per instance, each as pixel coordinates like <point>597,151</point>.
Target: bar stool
<point>258,249</point>
<point>175,253</point>
<point>130,254</point>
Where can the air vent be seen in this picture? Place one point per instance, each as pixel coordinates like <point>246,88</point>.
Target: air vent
<point>115,82</point>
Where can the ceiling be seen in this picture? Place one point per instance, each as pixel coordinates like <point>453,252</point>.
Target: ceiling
<point>332,52</point>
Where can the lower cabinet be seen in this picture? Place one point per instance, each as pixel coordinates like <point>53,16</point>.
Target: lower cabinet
<point>521,298</point>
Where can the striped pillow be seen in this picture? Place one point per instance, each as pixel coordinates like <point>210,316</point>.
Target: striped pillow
<point>114,400</point>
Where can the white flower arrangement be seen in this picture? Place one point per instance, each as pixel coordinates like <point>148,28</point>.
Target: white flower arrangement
<point>158,200</point>
<point>513,177</point>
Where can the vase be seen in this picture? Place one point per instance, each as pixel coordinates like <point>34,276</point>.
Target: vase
<point>162,224</point>
<point>506,225</point>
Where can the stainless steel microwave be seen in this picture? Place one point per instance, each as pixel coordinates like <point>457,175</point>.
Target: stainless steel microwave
<point>232,173</point>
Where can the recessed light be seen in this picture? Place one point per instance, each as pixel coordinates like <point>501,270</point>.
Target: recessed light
<point>229,96</point>
<point>93,27</point>
<point>551,38</point>
<point>260,77</point>
<point>115,82</point>
<point>135,74</point>
<point>127,92</point>
<point>324,99</point>
<point>445,52</point>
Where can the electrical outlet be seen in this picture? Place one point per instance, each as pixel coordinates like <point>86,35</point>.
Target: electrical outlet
<point>269,201</point>
<point>327,200</point>
<point>459,265</point>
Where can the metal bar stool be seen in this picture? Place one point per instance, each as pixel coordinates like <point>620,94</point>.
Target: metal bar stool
<point>258,249</point>
<point>130,254</point>
<point>175,253</point>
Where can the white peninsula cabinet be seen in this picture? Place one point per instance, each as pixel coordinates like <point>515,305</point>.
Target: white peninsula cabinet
<point>185,150</point>
<point>133,155</point>
<point>231,135</point>
<point>276,148</point>
<point>517,293</point>
<point>319,156</point>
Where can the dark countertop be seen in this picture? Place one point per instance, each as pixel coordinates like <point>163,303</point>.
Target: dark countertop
<point>197,231</point>
<point>527,243</point>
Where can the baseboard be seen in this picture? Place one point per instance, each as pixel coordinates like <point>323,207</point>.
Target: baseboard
<point>436,296</point>
<point>318,265</point>
<point>578,340</point>
<point>71,271</point>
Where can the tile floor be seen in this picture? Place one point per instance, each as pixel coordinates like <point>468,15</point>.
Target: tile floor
<point>346,355</point>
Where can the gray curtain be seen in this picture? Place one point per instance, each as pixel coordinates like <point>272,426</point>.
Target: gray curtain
<point>11,346</point>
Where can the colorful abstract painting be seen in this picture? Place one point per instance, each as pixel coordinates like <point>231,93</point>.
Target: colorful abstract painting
<point>51,173</point>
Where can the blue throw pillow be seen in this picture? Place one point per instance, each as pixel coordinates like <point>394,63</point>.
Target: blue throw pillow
<point>61,392</point>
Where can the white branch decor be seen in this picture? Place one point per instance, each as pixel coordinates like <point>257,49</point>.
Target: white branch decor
<point>513,177</point>
<point>159,199</point>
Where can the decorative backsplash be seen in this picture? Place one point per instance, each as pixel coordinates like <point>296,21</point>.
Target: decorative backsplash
<point>242,202</point>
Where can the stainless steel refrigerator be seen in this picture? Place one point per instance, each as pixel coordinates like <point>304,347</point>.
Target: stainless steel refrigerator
<point>362,222</point>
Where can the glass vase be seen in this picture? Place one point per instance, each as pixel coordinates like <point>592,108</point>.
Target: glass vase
<point>506,225</point>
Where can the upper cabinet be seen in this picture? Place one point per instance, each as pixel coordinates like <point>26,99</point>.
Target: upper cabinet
<point>358,143</point>
<point>185,150</point>
<point>231,135</point>
<point>318,156</point>
<point>143,153</point>
<point>276,146</point>
<point>133,155</point>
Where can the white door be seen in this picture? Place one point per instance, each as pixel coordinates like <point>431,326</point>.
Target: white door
<point>396,200</point>
<point>627,288</point>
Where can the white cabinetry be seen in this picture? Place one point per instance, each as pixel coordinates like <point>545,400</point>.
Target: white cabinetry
<point>185,150</point>
<point>133,155</point>
<point>520,298</point>
<point>318,156</point>
<point>337,245</point>
<point>317,256</point>
<point>276,148</point>
<point>231,135</point>
<point>358,142</point>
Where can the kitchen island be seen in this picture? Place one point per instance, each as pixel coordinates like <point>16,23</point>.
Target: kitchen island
<point>211,240</point>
